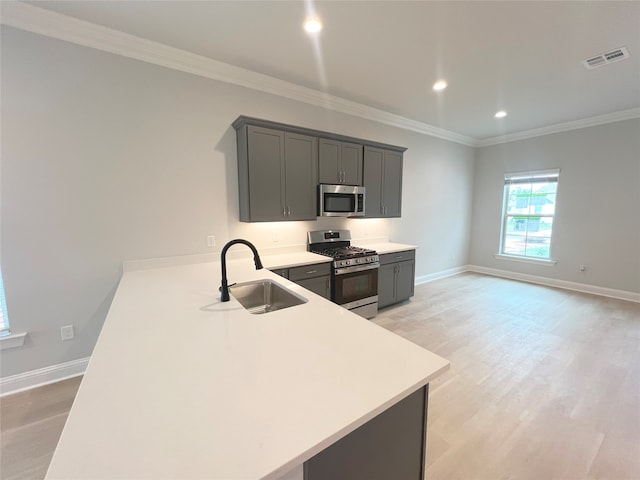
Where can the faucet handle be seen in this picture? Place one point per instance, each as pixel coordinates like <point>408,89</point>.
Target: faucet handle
<point>220,287</point>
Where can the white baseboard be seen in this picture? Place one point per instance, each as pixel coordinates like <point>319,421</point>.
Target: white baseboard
<point>443,274</point>
<point>552,282</point>
<point>42,376</point>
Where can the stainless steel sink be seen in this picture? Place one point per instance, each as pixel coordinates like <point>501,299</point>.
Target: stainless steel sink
<point>264,296</point>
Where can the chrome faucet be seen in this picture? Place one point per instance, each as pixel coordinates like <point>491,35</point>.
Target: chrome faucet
<point>224,288</point>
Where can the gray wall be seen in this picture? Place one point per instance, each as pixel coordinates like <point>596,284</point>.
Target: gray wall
<point>597,215</point>
<point>106,159</point>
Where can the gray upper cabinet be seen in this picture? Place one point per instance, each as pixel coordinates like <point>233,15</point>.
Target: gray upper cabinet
<point>339,162</point>
<point>277,173</point>
<point>301,165</point>
<point>280,167</point>
<point>382,177</point>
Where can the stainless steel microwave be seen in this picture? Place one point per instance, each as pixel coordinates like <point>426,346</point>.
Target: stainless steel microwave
<point>340,201</point>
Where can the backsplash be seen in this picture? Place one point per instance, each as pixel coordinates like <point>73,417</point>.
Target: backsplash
<point>294,234</point>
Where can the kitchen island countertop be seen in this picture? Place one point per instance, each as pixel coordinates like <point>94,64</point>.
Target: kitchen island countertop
<point>181,385</point>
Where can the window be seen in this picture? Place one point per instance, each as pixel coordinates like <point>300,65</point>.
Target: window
<point>528,210</point>
<point>7,339</point>
<point>4,321</point>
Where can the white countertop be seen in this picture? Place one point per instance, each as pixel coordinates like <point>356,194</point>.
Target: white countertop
<point>387,247</point>
<point>183,386</point>
<point>286,260</point>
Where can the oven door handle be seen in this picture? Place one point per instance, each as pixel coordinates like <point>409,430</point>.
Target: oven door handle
<point>356,268</point>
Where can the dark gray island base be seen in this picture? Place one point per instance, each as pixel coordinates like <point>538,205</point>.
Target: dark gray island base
<point>391,446</point>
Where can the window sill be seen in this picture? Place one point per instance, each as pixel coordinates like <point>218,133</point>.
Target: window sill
<point>14,340</point>
<point>534,261</point>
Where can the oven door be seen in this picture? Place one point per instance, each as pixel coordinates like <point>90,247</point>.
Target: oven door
<point>355,286</point>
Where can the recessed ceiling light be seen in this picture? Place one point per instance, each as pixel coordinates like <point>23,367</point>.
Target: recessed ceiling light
<point>501,114</point>
<point>440,85</point>
<point>313,25</point>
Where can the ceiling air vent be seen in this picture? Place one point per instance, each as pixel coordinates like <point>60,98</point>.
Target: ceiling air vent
<point>606,58</point>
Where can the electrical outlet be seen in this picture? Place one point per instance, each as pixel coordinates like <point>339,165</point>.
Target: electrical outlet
<point>211,241</point>
<point>66,332</point>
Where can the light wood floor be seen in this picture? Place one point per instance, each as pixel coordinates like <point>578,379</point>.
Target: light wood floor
<point>30,424</point>
<point>544,384</point>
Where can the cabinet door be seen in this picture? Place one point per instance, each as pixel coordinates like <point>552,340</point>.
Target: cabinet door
<point>301,166</point>
<point>339,162</point>
<point>328,161</point>
<point>391,446</point>
<point>372,181</point>
<point>405,279</point>
<point>386,285</point>
<point>319,285</point>
<point>392,184</point>
<point>351,163</point>
<point>266,153</point>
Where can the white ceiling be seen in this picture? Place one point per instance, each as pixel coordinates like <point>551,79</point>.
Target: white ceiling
<point>523,57</point>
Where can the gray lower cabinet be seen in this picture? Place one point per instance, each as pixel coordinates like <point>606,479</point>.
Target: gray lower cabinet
<point>283,272</point>
<point>277,173</point>
<point>315,277</point>
<point>391,446</point>
<point>396,277</point>
<point>339,162</point>
<point>382,177</point>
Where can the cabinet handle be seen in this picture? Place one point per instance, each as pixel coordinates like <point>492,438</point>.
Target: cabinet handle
<point>399,257</point>
<point>311,271</point>
<point>288,210</point>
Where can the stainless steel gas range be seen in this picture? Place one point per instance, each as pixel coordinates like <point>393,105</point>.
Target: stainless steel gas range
<point>354,276</point>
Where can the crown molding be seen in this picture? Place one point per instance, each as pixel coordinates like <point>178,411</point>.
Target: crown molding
<point>562,127</point>
<point>62,27</point>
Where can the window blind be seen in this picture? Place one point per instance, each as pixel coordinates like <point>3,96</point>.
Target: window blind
<point>542,176</point>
